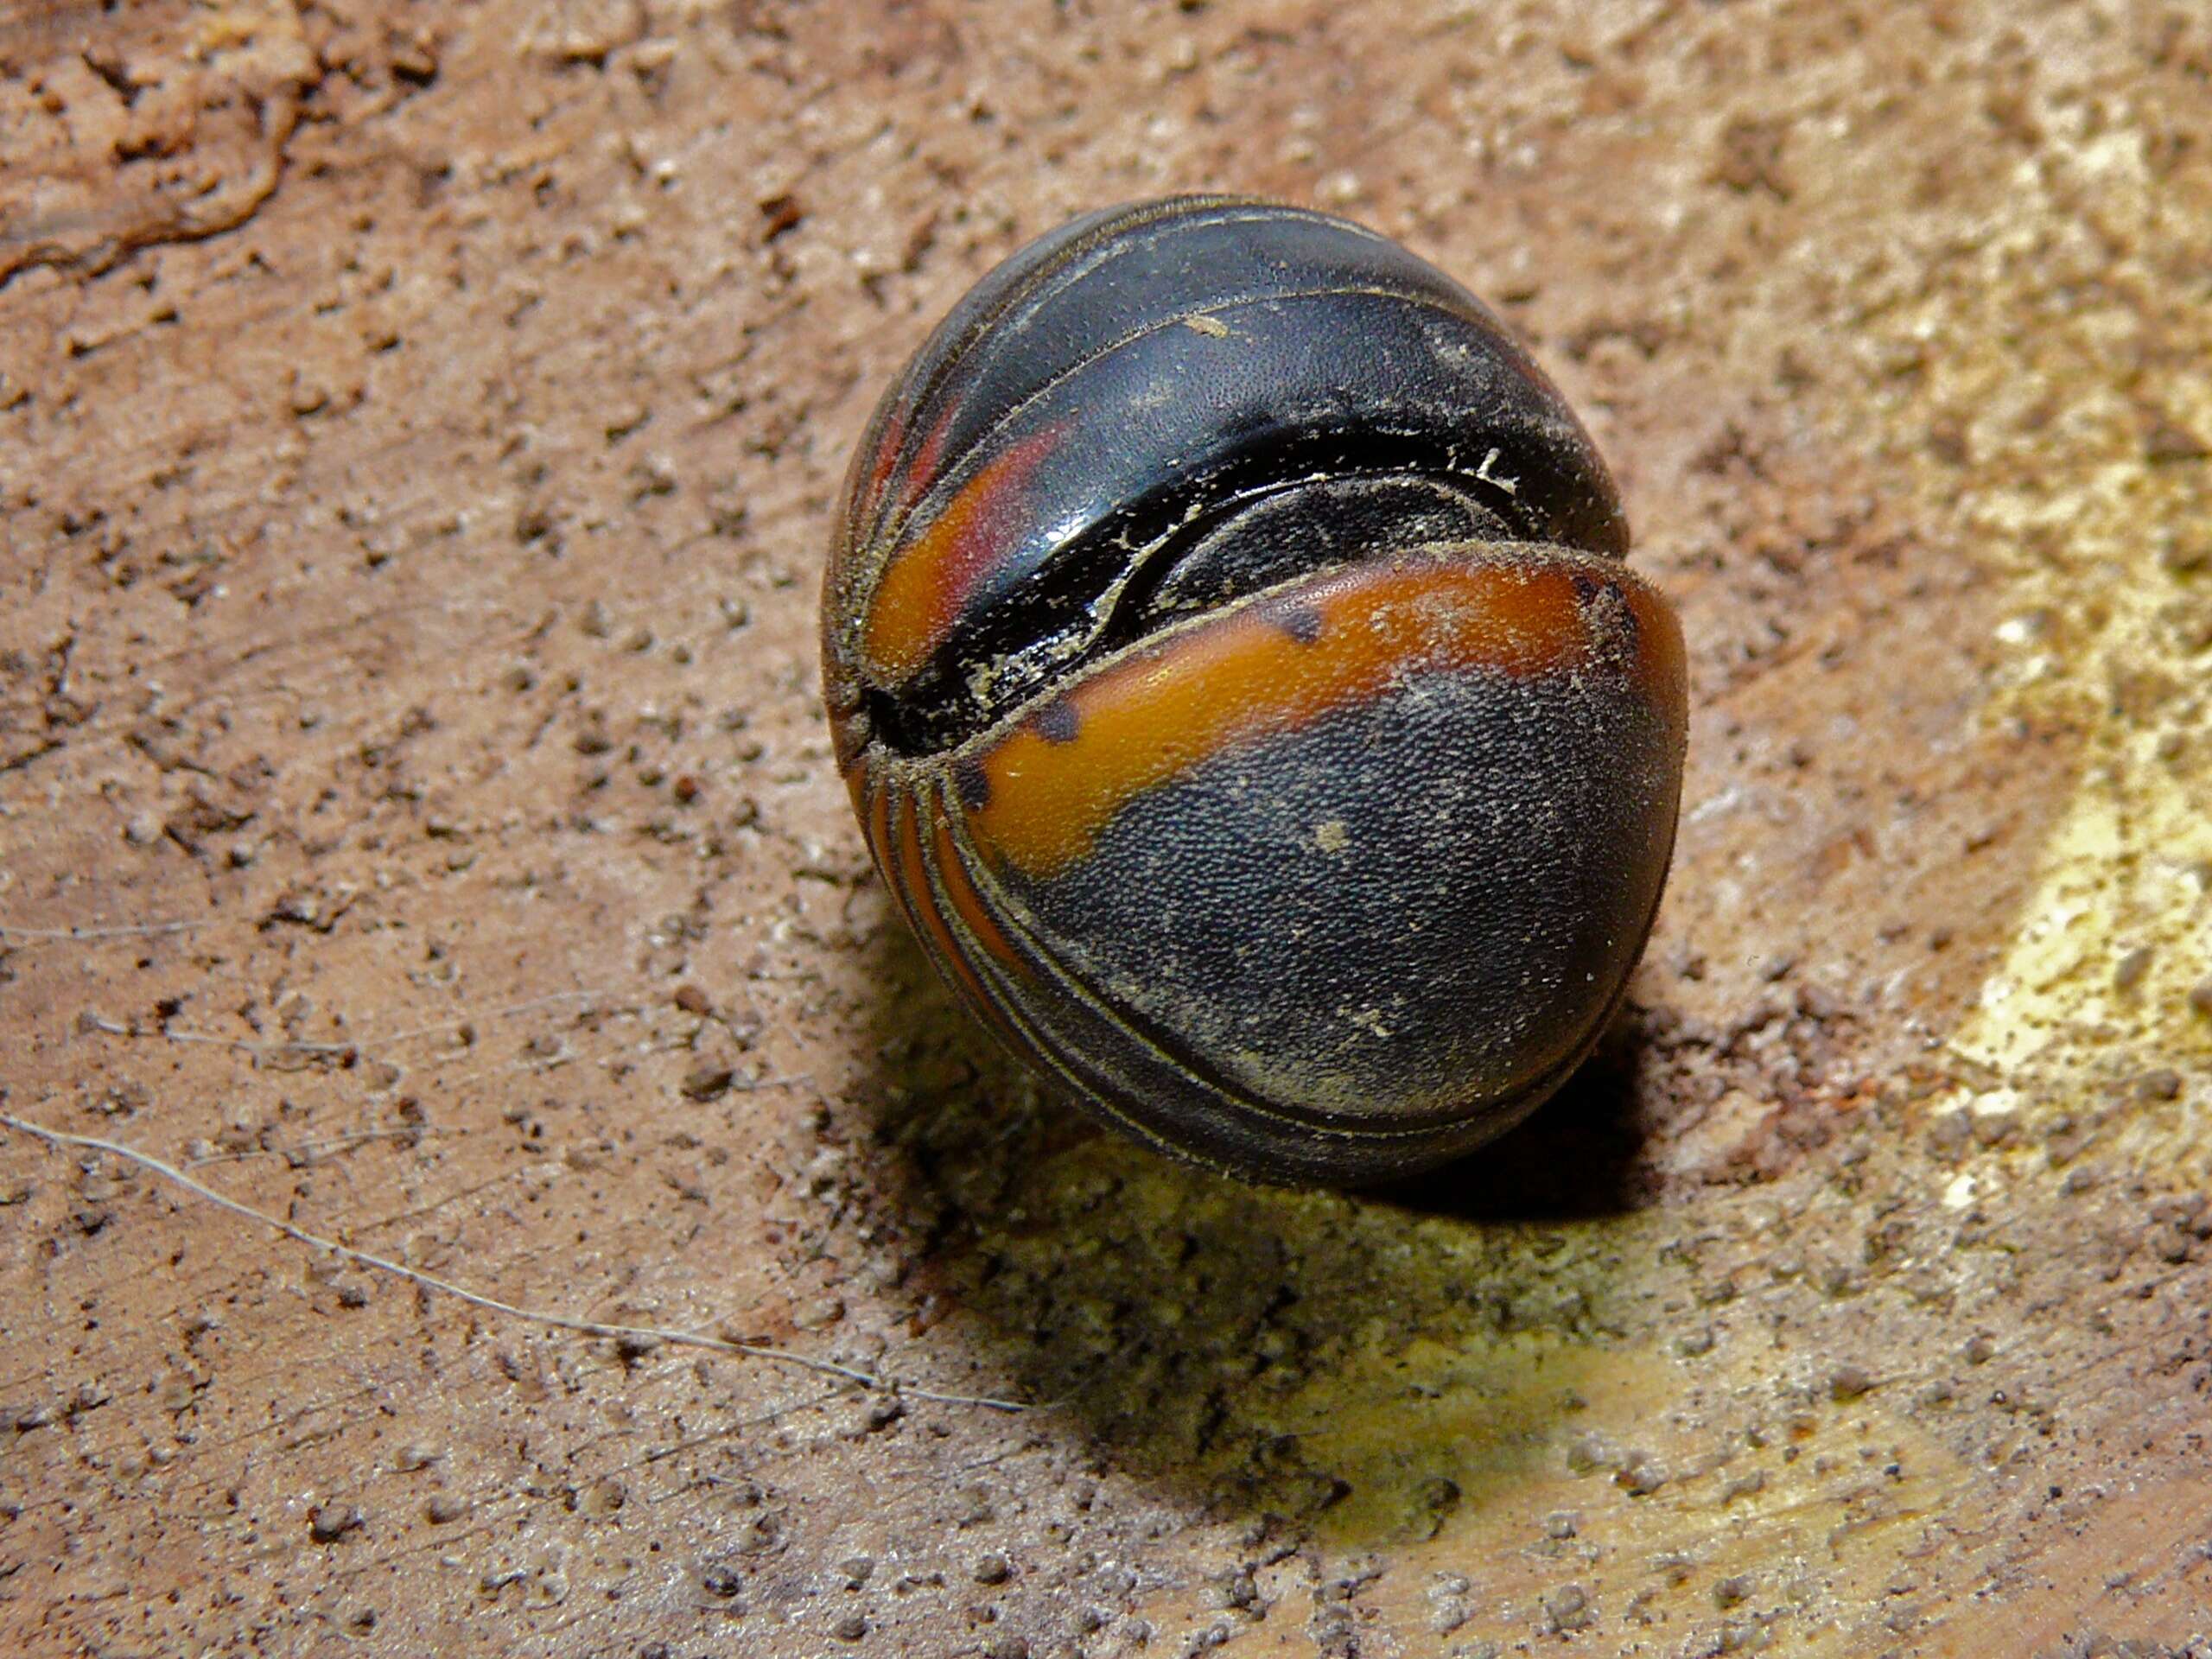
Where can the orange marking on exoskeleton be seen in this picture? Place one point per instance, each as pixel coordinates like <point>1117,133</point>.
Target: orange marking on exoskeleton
<point>921,471</point>
<point>876,816</point>
<point>927,581</point>
<point>868,498</point>
<point>966,901</point>
<point>914,875</point>
<point>1278,665</point>
<point>1661,657</point>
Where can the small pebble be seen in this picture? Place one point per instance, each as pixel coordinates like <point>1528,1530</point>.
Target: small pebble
<point>328,1523</point>
<point>1567,1609</point>
<point>1640,1477</point>
<point>706,1081</point>
<point>2128,973</point>
<point>2164,1083</point>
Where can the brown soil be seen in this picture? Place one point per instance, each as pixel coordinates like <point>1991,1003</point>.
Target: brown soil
<point>418,430</point>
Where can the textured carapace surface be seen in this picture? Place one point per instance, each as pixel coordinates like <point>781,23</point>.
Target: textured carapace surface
<point>1161,406</point>
<point>1237,679</point>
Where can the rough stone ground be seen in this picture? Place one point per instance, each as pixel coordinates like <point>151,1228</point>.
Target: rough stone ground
<point>418,425</point>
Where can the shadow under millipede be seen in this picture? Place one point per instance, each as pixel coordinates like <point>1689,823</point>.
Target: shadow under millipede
<point>1360,1362</point>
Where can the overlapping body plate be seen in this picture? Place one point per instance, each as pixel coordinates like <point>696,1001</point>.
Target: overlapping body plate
<point>1230,655</point>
